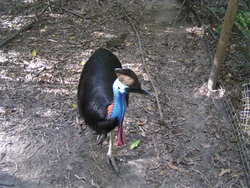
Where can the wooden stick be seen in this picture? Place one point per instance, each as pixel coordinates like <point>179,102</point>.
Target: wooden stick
<point>144,62</point>
<point>77,14</point>
<point>73,13</point>
<point>25,28</point>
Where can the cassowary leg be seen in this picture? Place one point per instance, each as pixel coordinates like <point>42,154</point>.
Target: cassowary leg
<point>110,155</point>
<point>101,138</point>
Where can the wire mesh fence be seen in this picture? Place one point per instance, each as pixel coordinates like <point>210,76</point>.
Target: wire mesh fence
<point>239,131</point>
<point>245,113</point>
<point>236,68</point>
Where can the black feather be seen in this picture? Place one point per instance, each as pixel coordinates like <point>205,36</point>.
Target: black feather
<point>95,92</point>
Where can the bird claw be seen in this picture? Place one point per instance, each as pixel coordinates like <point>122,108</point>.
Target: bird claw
<point>101,138</point>
<point>111,160</point>
<point>112,163</point>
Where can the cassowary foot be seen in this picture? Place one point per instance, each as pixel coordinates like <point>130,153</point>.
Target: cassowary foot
<point>111,160</point>
<point>101,138</point>
<point>112,163</point>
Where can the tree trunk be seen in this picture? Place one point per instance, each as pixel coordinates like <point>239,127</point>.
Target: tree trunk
<point>223,42</point>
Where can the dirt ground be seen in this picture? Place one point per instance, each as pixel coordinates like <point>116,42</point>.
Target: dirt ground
<point>41,144</point>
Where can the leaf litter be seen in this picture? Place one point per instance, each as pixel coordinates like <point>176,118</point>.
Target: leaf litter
<point>42,143</point>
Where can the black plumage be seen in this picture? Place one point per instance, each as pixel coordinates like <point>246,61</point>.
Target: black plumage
<point>104,84</point>
<point>95,91</point>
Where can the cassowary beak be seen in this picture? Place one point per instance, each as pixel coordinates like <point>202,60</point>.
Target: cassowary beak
<point>141,91</point>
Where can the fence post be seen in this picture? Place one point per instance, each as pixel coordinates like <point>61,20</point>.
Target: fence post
<point>222,43</point>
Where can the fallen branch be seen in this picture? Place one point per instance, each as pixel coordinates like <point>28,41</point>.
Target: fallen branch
<point>78,15</point>
<point>25,28</point>
<point>144,62</point>
<point>73,13</point>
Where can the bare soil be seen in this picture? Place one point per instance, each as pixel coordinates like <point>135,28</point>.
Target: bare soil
<point>41,144</point>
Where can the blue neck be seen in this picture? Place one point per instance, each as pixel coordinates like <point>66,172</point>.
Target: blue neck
<point>120,105</point>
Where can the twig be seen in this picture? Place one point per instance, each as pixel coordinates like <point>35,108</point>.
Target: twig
<point>156,149</point>
<point>95,184</point>
<point>82,179</point>
<point>35,152</point>
<point>75,13</point>
<point>25,28</point>
<point>144,62</point>
<point>60,3</point>
<point>179,12</point>
<point>7,185</point>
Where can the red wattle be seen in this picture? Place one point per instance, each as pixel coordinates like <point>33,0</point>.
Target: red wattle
<point>120,135</point>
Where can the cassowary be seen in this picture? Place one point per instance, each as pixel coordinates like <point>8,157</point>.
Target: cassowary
<point>103,92</point>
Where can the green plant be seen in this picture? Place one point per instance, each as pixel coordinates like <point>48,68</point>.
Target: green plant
<point>243,18</point>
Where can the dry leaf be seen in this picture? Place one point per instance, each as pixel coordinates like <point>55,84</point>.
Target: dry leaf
<point>132,131</point>
<point>128,44</point>
<point>143,134</point>
<point>74,105</point>
<point>172,166</point>
<point>33,53</point>
<point>169,148</point>
<point>225,171</point>
<point>141,122</point>
<point>51,40</point>
<point>233,138</point>
<point>206,145</point>
<point>145,77</point>
<point>46,77</point>
<point>83,62</point>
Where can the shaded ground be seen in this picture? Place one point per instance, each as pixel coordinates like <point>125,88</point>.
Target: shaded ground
<point>40,141</point>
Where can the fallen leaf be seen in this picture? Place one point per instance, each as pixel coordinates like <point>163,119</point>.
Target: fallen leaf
<point>83,62</point>
<point>141,122</point>
<point>185,60</point>
<point>135,144</point>
<point>46,77</point>
<point>225,171</point>
<point>132,131</point>
<point>74,105</point>
<point>169,148</point>
<point>33,53</point>
<point>172,166</point>
<point>233,138</point>
<point>143,134</point>
<point>128,44</point>
<point>51,40</point>
<point>206,145</point>
<point>145,77</point>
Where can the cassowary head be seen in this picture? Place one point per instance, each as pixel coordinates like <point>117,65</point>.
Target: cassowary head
<point>129,78</point>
